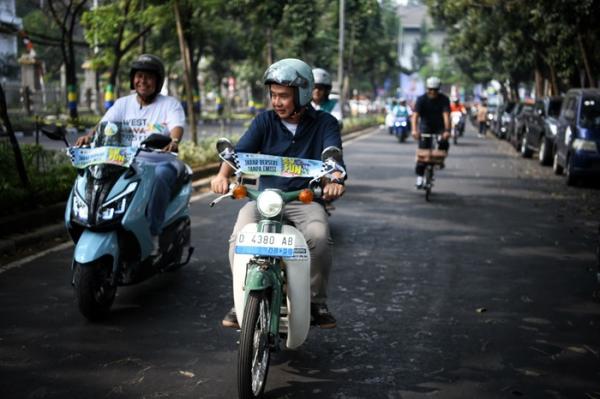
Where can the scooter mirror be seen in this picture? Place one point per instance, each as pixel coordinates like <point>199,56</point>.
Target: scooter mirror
<point>332,152</point>
<point>224,144</point>
<point>54,132</point>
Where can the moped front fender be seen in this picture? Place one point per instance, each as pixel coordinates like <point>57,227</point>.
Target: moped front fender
<point>298,286</point>
<point>94,245</point>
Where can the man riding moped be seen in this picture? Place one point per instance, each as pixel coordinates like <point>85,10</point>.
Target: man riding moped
<point>293,128</point>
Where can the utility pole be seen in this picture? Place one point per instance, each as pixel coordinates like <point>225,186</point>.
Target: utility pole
<point>340,71</point>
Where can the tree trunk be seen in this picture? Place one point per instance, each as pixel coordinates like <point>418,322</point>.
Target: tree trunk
<point>13,141</point>
<point>553,82</point>
<point>539,83</point>
<point>185,55</point>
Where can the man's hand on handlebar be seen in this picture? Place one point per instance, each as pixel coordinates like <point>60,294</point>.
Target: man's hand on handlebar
<point>84,140</point>
<point>173,146</point>
<point>220,184</point>
<point>334,188</point>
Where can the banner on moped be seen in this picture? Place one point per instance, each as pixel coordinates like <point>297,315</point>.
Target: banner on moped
<point>83,157</point>
<point>271,165</point>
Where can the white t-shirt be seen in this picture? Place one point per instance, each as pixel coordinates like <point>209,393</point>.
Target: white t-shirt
<point>161,116</point>
<point>292,127</point>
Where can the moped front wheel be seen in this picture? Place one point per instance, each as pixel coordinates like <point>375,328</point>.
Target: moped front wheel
<point>94,290</point>
<point>254,351</point>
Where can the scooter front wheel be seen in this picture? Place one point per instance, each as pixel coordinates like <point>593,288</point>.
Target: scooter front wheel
<point>94,290</point>
<point>254,351</point>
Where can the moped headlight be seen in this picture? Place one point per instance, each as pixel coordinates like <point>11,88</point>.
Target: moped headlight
<point>80,208</point>
<point>552,129</point>
<point>585,145</point>
<point>118,205</point>
<point>269,203</point>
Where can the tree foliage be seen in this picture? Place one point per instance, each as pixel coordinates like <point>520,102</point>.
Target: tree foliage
<point>515,42</point>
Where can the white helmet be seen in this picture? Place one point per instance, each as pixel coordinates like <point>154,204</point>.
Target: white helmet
<point>322,77</point>
<point>433,82</point>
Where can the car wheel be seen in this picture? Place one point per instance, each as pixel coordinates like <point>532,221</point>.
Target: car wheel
<point>525,151</point>
<point>556,166</point>
<point>545,154</point>
<point>571,179</point>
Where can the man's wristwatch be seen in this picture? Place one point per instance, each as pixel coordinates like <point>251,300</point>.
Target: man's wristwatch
<point>337,180</point>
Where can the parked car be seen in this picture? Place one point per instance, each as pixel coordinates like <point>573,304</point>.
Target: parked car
<point>516,128</point>
<point>502,119</point>
<point>578,135</point>
<point>540,129</point>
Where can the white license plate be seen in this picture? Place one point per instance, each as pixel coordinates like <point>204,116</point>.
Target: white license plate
<point>265,244</point>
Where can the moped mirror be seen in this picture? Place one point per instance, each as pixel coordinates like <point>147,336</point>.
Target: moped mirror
<point>54,132</point>
<point>332,152</point>
<point>156,141</point>
<point>224,144</point>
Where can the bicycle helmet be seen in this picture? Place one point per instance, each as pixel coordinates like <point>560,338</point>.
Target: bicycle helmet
<point>294,73</point>
<point>148,63</point>
<point>433,82</point>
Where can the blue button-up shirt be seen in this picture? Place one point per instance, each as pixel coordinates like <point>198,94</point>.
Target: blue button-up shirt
<point>316,131</point>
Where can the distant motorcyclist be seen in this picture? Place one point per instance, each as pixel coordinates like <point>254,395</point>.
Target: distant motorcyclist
<point>293,128</point>
<point>321,92</point>
<point>431,116</point>
<point>457,108</point>
<point>401,109</point>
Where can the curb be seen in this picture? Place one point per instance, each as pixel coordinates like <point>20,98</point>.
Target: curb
<point>45,224</point>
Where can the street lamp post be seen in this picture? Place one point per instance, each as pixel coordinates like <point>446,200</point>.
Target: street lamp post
<point>340,71</point>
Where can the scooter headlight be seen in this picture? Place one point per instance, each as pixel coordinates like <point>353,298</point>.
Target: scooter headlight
<point>117,205</point>
<point>269,203</point>
<point>80,208</point>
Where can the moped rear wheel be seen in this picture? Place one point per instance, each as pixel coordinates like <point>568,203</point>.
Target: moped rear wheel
<point>254,351</point>
<point>94,291</point>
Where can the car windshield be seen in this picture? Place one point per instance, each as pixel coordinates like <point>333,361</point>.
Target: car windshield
<point>590,112</point>
<point>554,108</point>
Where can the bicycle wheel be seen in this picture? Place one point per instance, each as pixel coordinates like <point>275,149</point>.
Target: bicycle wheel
<point>254,351</point>
<point>428,182</point>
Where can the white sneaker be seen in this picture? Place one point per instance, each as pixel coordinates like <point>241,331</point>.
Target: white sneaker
<point>419,182</point>
<point>155,246</point>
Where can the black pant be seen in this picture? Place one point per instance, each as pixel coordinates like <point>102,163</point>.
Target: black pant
<point>427,143</point>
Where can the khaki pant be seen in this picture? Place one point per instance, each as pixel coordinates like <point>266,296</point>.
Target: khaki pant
<point>311,220</point>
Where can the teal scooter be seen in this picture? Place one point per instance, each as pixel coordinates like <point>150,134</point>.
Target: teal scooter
<point>106,215</point>
<point>271,265</point>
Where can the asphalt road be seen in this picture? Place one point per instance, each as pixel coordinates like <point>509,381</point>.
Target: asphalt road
<point>488,291</point>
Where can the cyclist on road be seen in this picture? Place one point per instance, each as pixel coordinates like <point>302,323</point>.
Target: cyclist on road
<point>431,116</point>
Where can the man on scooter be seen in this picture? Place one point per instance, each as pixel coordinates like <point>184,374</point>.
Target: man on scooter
<point>321,92</point>
<point>431,116</point>
<point>145,112</point>
<point>293,128</point>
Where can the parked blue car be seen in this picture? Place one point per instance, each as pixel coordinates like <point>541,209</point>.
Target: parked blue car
<point>577,145</point>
